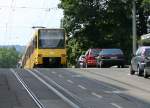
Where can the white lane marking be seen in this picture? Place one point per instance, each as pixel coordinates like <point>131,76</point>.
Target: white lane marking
<point>60,76</point>
<point>97,95</point>
<point>53,89</point>
<point>129,74</point>
<point>76,76</point>
<point>116,105</point>
<point>53,72</point>
<point>115,92</point>
<point>70,81</point>
<point>82,87</point>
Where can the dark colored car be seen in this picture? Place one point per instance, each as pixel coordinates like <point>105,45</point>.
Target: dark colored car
<point>90,57</point>
<point>110,57</point>
<point>140,60</point>
<point>79,62</point>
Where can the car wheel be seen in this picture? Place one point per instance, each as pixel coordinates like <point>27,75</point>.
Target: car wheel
<point>81,65</point>
<point>132,72</point>
<point>140,71</point>
<point>122,66</point>
<point>118,66</point>
<point>145,74</point>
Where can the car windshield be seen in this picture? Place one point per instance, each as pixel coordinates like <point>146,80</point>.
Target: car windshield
<point>81,57</point>
<point>147,52</point>
<point>95,52</point>
<point>111,52</point>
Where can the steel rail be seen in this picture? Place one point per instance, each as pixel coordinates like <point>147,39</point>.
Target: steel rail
<point>55,90</point>
<point>32,95</point>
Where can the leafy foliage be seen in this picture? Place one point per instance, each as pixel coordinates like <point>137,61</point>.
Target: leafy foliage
<point>143,12</point>
<point>102,24</point>
<point>8,57</point>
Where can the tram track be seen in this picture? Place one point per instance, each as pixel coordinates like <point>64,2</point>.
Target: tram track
<point>30,92</point>
<point>44,88</point>
<point>42,98</point>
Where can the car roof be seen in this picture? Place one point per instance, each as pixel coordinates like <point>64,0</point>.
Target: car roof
<point>90,49</point>
<point>95,48</point>
<point>111,48</point>
<point>144,47</point>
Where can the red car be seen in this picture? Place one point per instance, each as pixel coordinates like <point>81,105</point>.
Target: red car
<point>90,57</point>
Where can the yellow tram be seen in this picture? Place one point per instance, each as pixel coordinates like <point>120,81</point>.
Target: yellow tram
<point>46,49</point>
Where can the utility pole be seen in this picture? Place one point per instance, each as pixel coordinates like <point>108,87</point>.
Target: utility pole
<point>61,23</point>
<point>134,27</point>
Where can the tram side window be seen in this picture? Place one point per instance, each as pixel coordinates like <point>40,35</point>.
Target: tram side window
<point>26,57</point>
<point>35,42</point>
<point>31,47</point>
<point>28,52</point>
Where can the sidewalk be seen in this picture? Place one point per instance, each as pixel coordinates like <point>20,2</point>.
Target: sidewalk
<point>7,98</point>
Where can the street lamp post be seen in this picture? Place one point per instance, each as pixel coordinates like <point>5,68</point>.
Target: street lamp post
<point>134,27</point>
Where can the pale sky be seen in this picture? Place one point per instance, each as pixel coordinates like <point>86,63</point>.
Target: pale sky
<point>18,16</point>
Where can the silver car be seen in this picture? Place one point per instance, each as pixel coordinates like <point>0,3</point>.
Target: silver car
<point>80,62</point>
<point>140,60</point>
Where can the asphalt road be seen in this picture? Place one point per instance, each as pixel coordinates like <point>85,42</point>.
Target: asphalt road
<point>12,94</point>
<point>74,88</point>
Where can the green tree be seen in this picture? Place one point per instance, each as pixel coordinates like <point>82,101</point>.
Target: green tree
<point>8,57</point>
<point>143,12</point>
<point>101,23</point>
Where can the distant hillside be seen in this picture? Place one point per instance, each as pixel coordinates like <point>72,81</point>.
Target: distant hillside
<point>19,48</point>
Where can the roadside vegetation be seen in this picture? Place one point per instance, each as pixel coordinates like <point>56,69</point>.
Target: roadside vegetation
<point>8,57</point>
<point>102,24</point>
